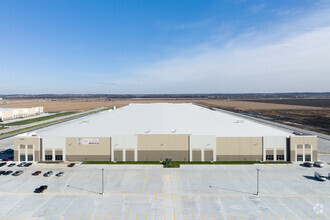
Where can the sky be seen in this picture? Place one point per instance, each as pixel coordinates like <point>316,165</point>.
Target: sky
<point>164,46</point>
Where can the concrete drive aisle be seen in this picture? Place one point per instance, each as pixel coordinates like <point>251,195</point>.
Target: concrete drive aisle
<point>152,192</point>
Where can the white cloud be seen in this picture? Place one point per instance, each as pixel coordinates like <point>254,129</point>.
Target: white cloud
<point>291,57</point>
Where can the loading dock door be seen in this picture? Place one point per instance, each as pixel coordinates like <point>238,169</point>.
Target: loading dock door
<point>208,155</point>
<point>129,155</point>
<point>196,155</point>
<point>118,155</point>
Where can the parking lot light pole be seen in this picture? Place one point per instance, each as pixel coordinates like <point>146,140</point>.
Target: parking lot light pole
<point>257,181</point>
<point>102,193</point>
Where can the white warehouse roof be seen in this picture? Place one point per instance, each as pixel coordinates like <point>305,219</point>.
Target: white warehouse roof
<point>161,118</point>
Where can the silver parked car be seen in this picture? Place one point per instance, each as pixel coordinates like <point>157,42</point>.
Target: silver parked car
<point>60,174</point>
<point>17,173</point>
<point>318,164</point>
<point>48,174</point>
<point>319,177</point>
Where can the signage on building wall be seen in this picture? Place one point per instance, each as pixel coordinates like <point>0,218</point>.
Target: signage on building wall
<point>85,141</point>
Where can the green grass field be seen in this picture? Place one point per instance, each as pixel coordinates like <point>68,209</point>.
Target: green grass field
<point>32,120</point>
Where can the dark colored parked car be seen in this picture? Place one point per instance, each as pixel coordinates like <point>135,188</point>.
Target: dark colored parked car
<point>2,172</point>
<point>28,164</point>
<point>60,174</point>
<point>8,172</point>
<point>21,164</point>
<point>307,164</point>
<point>71,165</point>
<point>41,189</point>
<point>11,165</point>
<point>2,164</point>
<point>5,159</point>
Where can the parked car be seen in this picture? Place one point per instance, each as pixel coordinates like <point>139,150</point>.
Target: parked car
<point>21,164</point>
<point>60,174</point>
<point>11,165</point>
<point>28,164</point>
<point>71,165</point>
<point>318,164</point>
<point>5,159</point>
<point>8,172</point>
<point>36,173</point>
<point>2,172</point>
<point>17,173</point>
<point>2,164</point>
<point>49,173</point>
<point>41,189</point>
<point>308,164</point>
<point>319,177</point>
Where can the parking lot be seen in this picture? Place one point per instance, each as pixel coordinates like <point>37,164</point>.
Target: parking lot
<point>152,192</point>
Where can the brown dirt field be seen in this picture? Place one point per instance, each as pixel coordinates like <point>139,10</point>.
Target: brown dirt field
<point>80,104</point>
<point>246,106</point>
<point>87,104</point>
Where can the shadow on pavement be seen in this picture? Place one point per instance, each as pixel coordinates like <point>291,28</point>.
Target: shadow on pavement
<point>233,190</point>
<point>82,189</point>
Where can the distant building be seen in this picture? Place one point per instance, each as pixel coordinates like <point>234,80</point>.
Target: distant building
<point>153,132</point>
<point>13,113</point>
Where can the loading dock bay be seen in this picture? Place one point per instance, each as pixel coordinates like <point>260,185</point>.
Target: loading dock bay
<point>287,191</point>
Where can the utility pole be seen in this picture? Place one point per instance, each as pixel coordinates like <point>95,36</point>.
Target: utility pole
<point>257,181</point>
<point>102,193</point>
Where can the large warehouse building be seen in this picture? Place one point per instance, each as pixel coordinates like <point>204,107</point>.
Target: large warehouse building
<point>152,132</point>
<point>13,113</point>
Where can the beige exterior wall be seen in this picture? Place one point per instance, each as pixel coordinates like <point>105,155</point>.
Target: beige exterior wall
<point>89,152</point>
<point>118,155</point>
<point>156,147</point>
<point>7,115</point>
<point>303,140</point>
<point>208,155</point>
<point>20,142</point>
<point>239,149</point>
<point>197,155</point>
<point>129,154</point>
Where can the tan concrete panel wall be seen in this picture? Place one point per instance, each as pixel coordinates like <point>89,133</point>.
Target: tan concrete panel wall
<point>118,155</point>
<point>239,148</point>
<point>29,141</point>
<point>7,115</point>
<point>197,155</point>
<point>280,152</point>
<point>58,152</point>
<point>208,155</point>
<point>129,155</point>
<point>90,152</point>
<point>270,152</point>
<point>295,140</point>
<point>300,140</point>
<point>31,111</point>
<point>156,147</point>
<point>151,142</point>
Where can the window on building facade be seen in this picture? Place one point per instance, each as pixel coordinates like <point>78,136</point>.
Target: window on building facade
<point>48,157</point>
<point>22,158</point>
<point>269,157</point>
<point>30,157</point>
<point>59,157</point>
<point>308,158</point>
<point>299,157</point>
<point>279,157</point>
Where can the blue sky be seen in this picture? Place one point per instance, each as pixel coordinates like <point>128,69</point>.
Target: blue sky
<point>192,46</point>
